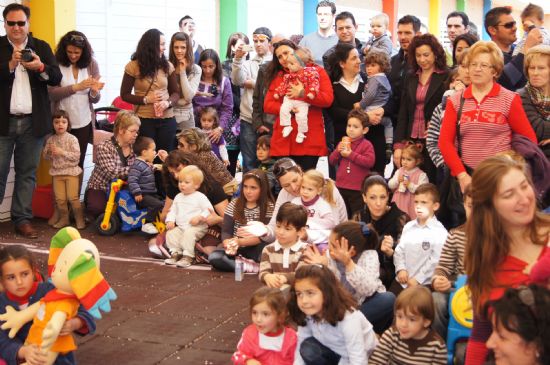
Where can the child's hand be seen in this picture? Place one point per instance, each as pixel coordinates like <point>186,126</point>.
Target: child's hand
<point>162,154</point>
<point>412,282</point>
<point>170,225</point>
<point>253,362</point>
<point>71,325</point>
<point>32,355</point>
<point>226,163</point>
<point>357,105</point>
<point>344,152</point>
<point>196,220</point>
<point>138,198</point>
<point>310,96</point>
<point>276,96</point>
<point>341,251</point>
<point>406,182</point>
<point>387,246</point>
<point>273,280</point>
<point>441,284</point>
<point>403,276</point>
<point>401,178</point>
<point>313,256</point>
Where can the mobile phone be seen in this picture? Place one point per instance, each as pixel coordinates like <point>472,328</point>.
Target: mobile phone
<point>248,48</point>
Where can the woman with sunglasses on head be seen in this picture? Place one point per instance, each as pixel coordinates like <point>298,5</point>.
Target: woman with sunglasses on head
<point>489,115</point>
<point>155,89</point>
<point>506,235</point>
<point>80,87</point>
<point>289,175</point>
<point>307,153</point>
<point>521,326</point>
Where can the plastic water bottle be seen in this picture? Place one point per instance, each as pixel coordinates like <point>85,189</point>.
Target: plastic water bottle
<point>238,270</point>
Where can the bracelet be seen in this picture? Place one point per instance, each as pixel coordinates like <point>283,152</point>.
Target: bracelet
<point>145,100</point>
<point>41,69</point>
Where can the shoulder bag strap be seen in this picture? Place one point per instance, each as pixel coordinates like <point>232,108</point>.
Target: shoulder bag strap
<point>458,117</point>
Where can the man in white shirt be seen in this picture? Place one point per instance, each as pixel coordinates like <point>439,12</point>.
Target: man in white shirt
<point>325,37</point>
<point>27,67</point>
<point>187,25</point>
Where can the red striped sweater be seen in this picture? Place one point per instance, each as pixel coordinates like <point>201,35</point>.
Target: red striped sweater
<point>485,128</point>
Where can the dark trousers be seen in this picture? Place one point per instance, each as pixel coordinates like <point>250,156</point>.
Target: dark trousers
<point>84,135</point>
<point>353,200</point>
<point>233,157</point>
<point>95,201</point>
<point>306,162</point>
<point>153,203</point>
<point>223,262</point>
<point>314,352</point>
<point>162,131</point>
<point>378,309</point>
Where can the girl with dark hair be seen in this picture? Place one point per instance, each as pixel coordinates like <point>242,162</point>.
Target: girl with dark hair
<point>307,153</point>
<point>423,90</point>
<point>188,76</point>
<point>155,86</point>
<point>461,44</point>
<point>79,89</point>
<point>254,204</point>
<point>215,91</point>
<point>330,329</point>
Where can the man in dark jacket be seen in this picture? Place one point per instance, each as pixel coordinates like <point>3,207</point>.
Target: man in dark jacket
<point>27,66</point>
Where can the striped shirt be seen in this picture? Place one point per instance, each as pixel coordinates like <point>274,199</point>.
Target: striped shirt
<point>109,166</point>
<point>485,128</point>
<point>277,259</point>
<point>231,225</point>
<point>393,350</point>
<point>419,124</point>
<point>451,261</point>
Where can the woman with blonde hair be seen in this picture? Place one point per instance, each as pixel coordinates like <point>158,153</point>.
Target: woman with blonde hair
<point>488,112</point>
<point>506,235</point>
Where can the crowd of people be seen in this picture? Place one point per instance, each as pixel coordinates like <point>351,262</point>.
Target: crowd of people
<point>355,267</point>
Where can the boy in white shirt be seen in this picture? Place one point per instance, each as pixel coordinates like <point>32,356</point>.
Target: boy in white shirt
<point>419,248</point>
<point>186,219</point>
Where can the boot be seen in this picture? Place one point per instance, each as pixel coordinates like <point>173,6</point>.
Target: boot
<point>78,213</point>
<point>63,216</point>
<point>55,217</point>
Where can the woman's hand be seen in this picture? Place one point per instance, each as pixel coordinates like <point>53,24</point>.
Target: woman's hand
<point>215,134</point>
<point>387,246</point>
<point>463,180</point>
<point>32,355</point>
<point>97,86</point>
<point>375,115</point>
<point>214,219</point>
<point>73,324</point>
<point>162,154</point>
<point>397,157</point>
<point>239,53</point>
<point>544,142</point>
<point>313,256</point>
<point>84,84</point>
<point>296,90</point>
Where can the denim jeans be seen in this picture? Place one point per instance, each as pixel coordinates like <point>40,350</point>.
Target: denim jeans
<point>248,140</point>
<point>162,131</point>
<point>378,309</point>
<point>314,352</point>
<point>25,148</point>
<point>441,319</point>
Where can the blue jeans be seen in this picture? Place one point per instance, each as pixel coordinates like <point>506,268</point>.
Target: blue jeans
<point>25,148</point>
<point>314,352</point>
<point>248,140</point>
<point>162,131</point>
<point>378,309</point>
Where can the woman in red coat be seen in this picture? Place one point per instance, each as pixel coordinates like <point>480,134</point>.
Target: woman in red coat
<point>308,152</point>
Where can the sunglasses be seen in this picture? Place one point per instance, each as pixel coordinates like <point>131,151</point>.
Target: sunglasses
<point>20,23</point>
<point>279,169</point>
<point>508,25</point>
<point>260,37</point>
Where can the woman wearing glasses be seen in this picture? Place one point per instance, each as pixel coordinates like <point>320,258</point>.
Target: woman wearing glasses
<point>489,115</point>
<point>506,236</point>
<point>80,87</point>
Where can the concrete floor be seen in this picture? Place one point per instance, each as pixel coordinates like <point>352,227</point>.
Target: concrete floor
<point>163,315</point>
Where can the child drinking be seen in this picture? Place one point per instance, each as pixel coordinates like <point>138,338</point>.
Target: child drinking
<point>281,258</point>
<point>63,150</point>
<point>354,158</point>
<point>20,279</point>
<point>185,221</point>
<point>330,329</point>
<point>379,41</point>
<point>254,204</point>
<point>405,181</point>
<point>267,340</point>
<point>300,69</point>
<point>263,145</point>
<point>210,121</point>
<point>411,340</point>
<point>316,195</point>
<point>141,182</point>
<point>419,248</point>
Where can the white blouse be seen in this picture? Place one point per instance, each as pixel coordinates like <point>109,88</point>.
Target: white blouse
<point>77,105</point>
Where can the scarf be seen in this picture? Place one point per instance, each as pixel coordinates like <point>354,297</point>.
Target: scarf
<point>25,298</point>
<point>540,101</point>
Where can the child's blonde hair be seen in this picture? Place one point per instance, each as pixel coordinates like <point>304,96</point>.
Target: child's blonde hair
<point>327,185</point>
<point>213,112</point>
<point>194,172</point>
<point>383,18</point>
<point>275,300</point>
<point>416,300</point>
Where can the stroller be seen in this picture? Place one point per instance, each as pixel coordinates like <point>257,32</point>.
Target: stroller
<point>105,116</point>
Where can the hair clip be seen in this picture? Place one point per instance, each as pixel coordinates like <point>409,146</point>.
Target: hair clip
<point>365,229</point>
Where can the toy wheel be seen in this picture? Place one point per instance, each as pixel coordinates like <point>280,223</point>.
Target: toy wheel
<point>111,229</point>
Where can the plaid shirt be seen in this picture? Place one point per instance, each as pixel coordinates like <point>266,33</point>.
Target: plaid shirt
<point>108,166</point>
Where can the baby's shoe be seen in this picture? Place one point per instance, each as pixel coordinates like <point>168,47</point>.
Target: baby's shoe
<point>286,131</point>
<point>300,137</point>
<point>176,256</point>
<point>149,228</point>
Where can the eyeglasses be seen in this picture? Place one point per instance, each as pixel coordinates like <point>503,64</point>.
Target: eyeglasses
<point>279,169</point>
<point>483,66</point>
<point>259,37</point>
<point>20,23</point>
<point>132,131</point>
<point>508,25</point>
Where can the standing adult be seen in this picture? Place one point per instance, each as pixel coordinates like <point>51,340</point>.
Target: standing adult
<point>505,235</point>
<point>423,90</point>
<point>306,154</point>
<point>457,23</point>
<point>244,74</point>
<point>188,75</point>
<point>348,85</point>
<point>324,37</point>
<point>462,43</point>
<point>501,27</point>
<point>345,27</point>
<point>535,96</point>
<point>489,116</point>
<point>27,67</point>
<point>79,89</point>
<point>188,26</point>
<point>155,85</point>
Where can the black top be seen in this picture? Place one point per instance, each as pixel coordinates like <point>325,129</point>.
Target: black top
<point>396,76</point>
<point>215,193</point>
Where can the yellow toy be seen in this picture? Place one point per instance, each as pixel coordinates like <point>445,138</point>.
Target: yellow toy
<point>73,265</point>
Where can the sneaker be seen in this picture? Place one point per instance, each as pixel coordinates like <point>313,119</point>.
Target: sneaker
<point>286,131</point>
<point>249,266</point>
<point>185,261</point>
<point>149,228</point>
<point>300,137</point>
<point>176,256</point>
